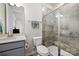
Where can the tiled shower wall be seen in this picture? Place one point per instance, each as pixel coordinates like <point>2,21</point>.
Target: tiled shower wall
<point>50,29</point>
<point>69,30</point>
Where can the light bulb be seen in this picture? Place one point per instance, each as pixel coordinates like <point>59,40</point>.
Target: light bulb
<point>18,4</point>
<point>12,4</point>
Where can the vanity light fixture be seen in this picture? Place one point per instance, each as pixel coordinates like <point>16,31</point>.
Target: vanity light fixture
<point>15,4</point>
<point>12,4</point>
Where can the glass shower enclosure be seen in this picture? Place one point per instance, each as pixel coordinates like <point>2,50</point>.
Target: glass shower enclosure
<point>60,29</point>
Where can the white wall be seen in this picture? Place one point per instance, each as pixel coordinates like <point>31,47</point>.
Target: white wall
<point>32,12</point>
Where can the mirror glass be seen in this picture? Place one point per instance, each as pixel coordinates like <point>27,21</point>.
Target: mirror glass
<point>15,18</point>
<point>2,18</point>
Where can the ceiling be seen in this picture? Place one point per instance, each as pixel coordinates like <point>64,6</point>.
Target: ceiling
<point>53,6</point>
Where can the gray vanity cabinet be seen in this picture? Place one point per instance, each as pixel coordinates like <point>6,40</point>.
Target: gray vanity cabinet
<point>16,48</point>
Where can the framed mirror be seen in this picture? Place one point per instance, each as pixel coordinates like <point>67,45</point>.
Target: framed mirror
<point>11,17</point>
<point>15,18</point>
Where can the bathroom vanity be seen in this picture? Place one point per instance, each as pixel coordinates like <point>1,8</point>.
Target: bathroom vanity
<point>12,46</point>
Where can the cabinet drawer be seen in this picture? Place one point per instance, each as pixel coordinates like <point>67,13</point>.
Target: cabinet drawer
<point>11,45</point>
<point>16,52</point>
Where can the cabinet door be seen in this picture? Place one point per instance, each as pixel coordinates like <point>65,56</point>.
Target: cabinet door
<point>13,45</point>
<point>16,52</point>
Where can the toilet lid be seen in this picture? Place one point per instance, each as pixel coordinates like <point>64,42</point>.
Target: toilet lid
<point>42,49</point>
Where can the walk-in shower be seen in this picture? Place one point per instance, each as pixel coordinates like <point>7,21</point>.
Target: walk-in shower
<point>60,28</point>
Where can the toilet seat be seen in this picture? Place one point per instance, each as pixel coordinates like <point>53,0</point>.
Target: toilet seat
<point>42,50</point>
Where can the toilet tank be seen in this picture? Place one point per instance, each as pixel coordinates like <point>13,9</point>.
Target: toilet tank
<point>37,40</point>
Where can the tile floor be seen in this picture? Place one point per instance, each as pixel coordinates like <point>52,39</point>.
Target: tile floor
<point>53,51</point>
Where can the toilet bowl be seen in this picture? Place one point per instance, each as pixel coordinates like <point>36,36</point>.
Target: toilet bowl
<point>41,49</point>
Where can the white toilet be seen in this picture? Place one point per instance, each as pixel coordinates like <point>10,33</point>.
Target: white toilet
<point>41,50</point>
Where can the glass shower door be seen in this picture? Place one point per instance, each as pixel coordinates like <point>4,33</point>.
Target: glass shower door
<point>61,31</point>
<point>69,31</point>
<point>50,32</point>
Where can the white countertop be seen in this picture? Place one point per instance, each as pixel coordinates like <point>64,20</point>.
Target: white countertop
<point>11,39</point>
